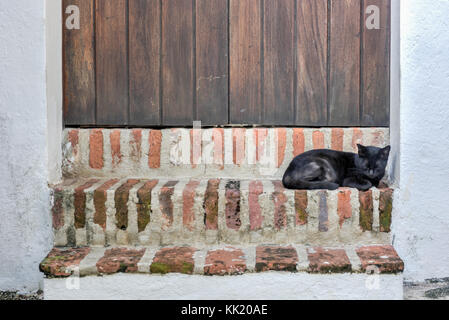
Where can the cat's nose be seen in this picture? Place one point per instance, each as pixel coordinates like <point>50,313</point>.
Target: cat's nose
<point>371,172</point>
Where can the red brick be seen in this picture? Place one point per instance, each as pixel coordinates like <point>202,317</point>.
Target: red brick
<point>232,210</point>
<point>177,259</point>
<point>74,140</point>
<point>337,139</point>
<point>57,209</point>
<point>115,147</point>
<point>229,261</point>
<point>385,209</point>
<point>384,258</point>
<point>100,197</point>
<point>96,149</point>
<point>344,209</point>
<point>80,203</point>
<point>238,138</point>
<point>218,138</point>
<point>136,144</point>
<point>121,198</point>
<point>328,261</point>
<point>120,260</point>
<point>144,206</point>
<point>357,136</point>
<point>154,154</point>
<point>318,140</point>
<point>301,202</point>
<point>298,141</point>
<point>280,212</point>
<point>366,210</point>
<point>255,210</point>
<point>276,258</point>
<point>58,261</point>
<point>196,144</point>
<point>281,145</point>
<point>188,201</point>
<point>166,203</point>
<point>211,204</point>
<point>378,139</point>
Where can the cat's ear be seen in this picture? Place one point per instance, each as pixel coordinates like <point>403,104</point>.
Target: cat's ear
<point>362,150</point>
<point>385,152</point>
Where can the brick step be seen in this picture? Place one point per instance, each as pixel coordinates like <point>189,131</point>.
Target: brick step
<point>224,260</point>
<point>241,153</point>
<point>157,212</point>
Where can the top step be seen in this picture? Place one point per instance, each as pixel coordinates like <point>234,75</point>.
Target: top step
<point>238,153</point>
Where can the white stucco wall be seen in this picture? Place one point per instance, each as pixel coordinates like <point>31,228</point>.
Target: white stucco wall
<point>421,217</point>
<point>25,225</point>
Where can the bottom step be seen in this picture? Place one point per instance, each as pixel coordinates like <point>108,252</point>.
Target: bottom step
<point>84,261</point>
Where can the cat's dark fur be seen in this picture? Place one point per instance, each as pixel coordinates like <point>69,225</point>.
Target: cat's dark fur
<point>329,169</point>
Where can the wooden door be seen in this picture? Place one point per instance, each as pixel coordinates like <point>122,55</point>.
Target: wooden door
<point>152,63</point>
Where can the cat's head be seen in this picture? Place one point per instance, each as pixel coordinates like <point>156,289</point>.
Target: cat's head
<point>372,161</point>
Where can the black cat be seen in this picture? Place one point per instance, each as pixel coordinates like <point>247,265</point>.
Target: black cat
<point>329,169</point>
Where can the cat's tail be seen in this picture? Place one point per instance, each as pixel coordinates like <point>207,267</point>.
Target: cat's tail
<point>308,185</point>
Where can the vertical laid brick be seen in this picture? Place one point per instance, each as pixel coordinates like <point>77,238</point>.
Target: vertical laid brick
<point>238,139</point>
<point>120,260</point>
<point>260,138</point>
<point>357,138</point>
<point>218,139</point>
<point>301,202</point>
<point>318,140</point>
<point>144,206</point>
<point>195,149</point>
<point>229,261</point>
<point>57,209</point>
<point>96,149</point>
<point>100,198</point>
<point>299,143</point>
<point>337,139</point>
<point>385,209</point>
<point>121,198</point>
<point>344,208</point>
<point>281,145</point>
<point>166,203</point>
<point>116,154</point>
<point>280,211</point>
<point>210,204</point>
<point>154,154</point>
<point>177,259</point>
<point>255,210</point>
<point>80,203</point>
<point>232,212</point>
<point>366,210</point>
<point>188,202</point>
<point>74,140</point>
<point>136,145</point>
<point>323,218</point>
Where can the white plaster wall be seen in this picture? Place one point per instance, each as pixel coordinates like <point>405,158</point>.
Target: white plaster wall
<point>25,226</point>
<point>421,217</point>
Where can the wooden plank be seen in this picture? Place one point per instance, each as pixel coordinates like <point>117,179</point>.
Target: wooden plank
<point>245,62</point>
<point>177,62</point>
<point>376,67</point>
<point>112,62</point>
<point>212,61</point>
<point>144,62</point>
<point>312,26</point>
<point>344,95</point>
<point>79,66</point>
<point>278,69</point>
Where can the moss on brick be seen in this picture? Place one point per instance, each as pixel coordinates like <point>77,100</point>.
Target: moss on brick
<point>385,210</point>
<point>158,267</point>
